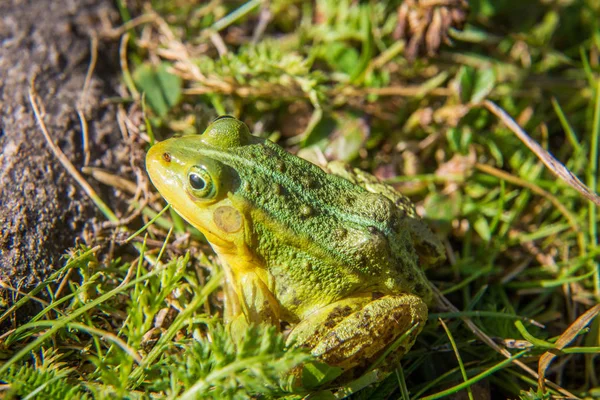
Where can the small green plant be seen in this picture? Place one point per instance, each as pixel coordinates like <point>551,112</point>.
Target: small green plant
<point>45,378</point>
<point>191,356</point>
<point>219,368</point>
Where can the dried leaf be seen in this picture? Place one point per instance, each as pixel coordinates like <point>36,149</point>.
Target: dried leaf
<point>568,335</point>
<point>425,25</point>
<point>548,159</point>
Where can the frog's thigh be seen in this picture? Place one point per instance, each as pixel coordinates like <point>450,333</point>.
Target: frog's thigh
<point>364,332</point>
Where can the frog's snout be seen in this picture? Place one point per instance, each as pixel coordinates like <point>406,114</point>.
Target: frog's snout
<point>159,163</point>
<point>154,155</point>
<point>168,163</point>
<point>160,153</point>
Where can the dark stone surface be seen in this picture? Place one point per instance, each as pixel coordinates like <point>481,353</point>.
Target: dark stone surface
<point>43,211</point>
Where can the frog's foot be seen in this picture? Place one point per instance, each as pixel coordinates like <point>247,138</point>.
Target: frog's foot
<point>354,332</point>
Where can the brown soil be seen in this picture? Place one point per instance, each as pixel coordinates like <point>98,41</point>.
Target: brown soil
<point>43,210</point>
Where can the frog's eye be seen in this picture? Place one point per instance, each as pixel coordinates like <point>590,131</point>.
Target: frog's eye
<point>226,116</point>
<point>200,183</point>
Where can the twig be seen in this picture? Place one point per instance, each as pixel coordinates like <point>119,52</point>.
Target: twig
<point>90,71</point>
<point>264,18</point>
<point>406,91</point>
<point>17,291</point>
<point>487,340</point>
<point>219,44</point>
<point>33,99</point>
<point>127,220</point>
<point>111,180</point>
<point>83,99</point>
<point>563,340</point>
<point>125,67</point>
<point>84,136</point>
<point>63,283</point>
<point>141,20</point>
<point>548,159</point>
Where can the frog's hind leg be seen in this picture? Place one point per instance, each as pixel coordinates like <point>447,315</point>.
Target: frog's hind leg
<point>356,331</point>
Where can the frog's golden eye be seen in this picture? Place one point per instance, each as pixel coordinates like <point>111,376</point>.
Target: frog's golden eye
<point>200,183</point>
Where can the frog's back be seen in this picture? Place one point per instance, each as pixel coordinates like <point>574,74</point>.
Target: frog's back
<point>320,232</point>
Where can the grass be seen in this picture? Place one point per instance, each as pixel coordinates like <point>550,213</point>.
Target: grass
<point>140,318</point>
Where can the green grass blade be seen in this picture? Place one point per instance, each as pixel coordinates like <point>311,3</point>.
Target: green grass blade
<point>476,378</point>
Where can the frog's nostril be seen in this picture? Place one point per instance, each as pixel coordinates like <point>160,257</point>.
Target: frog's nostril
<point>166,157</point>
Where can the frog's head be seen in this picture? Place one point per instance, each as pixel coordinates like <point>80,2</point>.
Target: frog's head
<point>189,173</point>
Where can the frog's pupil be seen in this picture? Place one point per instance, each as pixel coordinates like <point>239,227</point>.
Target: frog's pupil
<point>197,182</point>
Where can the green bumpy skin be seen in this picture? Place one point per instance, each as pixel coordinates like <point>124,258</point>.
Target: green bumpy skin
<point>337,255</point>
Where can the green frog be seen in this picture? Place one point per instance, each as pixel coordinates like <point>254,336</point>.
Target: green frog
<point>335,255</point>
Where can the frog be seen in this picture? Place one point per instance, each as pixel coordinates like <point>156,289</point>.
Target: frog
<point>332,255</point>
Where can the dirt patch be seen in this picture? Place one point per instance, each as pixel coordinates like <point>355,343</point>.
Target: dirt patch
<point>43,210</point>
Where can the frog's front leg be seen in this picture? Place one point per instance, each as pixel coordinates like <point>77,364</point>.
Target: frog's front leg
<point>257,305</point>
<point>355,331</point>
